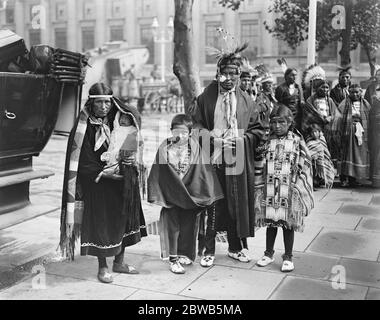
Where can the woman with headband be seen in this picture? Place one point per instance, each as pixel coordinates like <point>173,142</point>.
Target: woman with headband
<point>92,208</point>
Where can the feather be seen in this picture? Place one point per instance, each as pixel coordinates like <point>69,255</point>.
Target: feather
<point>241,48</point>
<point>283,64</point>
<point>214,52</point>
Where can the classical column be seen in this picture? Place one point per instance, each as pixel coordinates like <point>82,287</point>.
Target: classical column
<point>46,29</point>
<point>130,29</point>
<point>101,26</point>
<point>72,23</point>
<point>19,18</point>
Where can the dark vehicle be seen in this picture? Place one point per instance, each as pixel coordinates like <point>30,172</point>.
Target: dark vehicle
<point>29,107</point>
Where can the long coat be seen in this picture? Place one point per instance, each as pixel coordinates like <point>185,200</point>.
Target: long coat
<point>238,187</point>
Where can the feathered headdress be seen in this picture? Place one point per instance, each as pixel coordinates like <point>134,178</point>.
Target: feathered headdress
<point>283,64</point>
<point>345,69</point>
<point>263,73</point>
<point>230,52</point>
<point>247,69</point>
<point>311,74</point>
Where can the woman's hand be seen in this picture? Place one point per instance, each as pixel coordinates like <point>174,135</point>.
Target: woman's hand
<point>108,175</point>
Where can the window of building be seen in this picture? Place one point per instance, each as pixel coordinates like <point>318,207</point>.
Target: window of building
<point>61,11</point>
<point>250,33</point>
<point>329,53</point>
<point>146,38</point>
<point>212,39</point>
<point>34,37</point>
<point>284,49</point>
<point>117,9</point>
<point>88,38</point>
<point>61,38</point>
<point>213,5</point>
<point>147,7</point>
<point>117,33</point>
<point>88,10</point>
<point>9,15</point>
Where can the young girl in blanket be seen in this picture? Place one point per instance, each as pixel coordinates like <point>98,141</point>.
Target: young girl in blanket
<point>284,190</point>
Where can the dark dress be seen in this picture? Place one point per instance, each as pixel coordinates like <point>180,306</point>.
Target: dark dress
<point>374,142</point>
<point>292,101</point>
<point>105,228</point>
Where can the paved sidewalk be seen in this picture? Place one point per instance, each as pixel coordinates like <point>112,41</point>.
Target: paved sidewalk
<point>342,237</point>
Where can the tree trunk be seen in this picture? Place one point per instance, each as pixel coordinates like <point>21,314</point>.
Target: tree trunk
<point>346,35</point>
<point>184,66</point>
<point>371,55</point>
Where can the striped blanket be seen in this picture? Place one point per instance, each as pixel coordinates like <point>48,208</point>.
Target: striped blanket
<point>284,189</point>
<point>323,168</point>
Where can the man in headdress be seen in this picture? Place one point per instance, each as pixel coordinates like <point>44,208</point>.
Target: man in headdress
<point>340,91</point>
<point>228,122</point>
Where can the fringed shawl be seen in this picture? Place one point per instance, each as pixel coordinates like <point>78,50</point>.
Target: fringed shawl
<point>298,185</point>
<point>342,122</point>
<point>322,164</point>
<point>72,198</point>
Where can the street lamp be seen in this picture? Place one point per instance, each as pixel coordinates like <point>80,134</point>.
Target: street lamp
<point>163,37</point>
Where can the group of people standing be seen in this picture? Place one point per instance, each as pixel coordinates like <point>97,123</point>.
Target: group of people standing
<point>249,156</point>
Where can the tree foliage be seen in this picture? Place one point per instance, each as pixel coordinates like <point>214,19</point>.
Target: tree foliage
<point>291,22</point>
<point>292,18</point>
<point>231,4</point>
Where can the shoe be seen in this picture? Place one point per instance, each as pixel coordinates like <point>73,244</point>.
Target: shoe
<point>287,266</point>
<point>185,261</point>
<point>344,184</point>
<point>176,267</point>
<point>238,256</point>
<point>264,261</point>
<point>123,268</point>
<point>246,253</point>
<point>104,276</point>
<point>207,261</point>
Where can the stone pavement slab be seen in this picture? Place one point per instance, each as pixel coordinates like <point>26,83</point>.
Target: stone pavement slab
<point>375,200</point>
<point>326,207</point>
<point>66,288</point>
<point>28,241</point>
<point>295,288</point>
<point>366,273</point>
<point>349,244</point>
<point>333,221</point>
<point>223,283</point>
<point>369,224</point>
<point>306,265</point>
<point>301,239</point>
<point>151,295</point>
<point>360,210</point>
<point>350,198</point>
<point>373,294</point>
<point>156,276</point>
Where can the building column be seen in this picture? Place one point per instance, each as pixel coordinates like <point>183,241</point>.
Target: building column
<point>101,26</point>
<point>19,18</point>
<point>130,29</point>
<point>197,28</point>
<point>72,32</point>
<point>46,29</point>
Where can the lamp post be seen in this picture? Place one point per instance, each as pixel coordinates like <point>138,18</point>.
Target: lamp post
<point>162,37</point>
<point>312,31</point>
